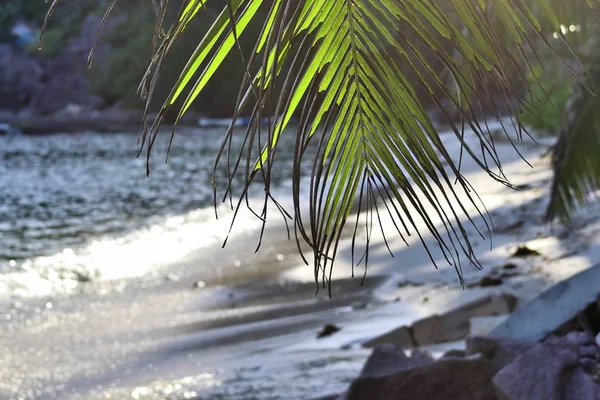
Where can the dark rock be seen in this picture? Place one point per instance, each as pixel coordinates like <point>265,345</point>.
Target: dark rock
<point>327,330</point>
<point>546,372</point>
<point>455,353</point>
<point>63,90</point>
<point>499,351</point>
<point>524,251</point>
<point>489,280</point>
<point>329,397</point>
<point>589,365</point>
<point>448,378</point>
<point>409,283</point>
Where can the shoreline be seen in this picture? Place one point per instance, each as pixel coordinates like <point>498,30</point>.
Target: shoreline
<point>253,328</point>
<point>101,121</point>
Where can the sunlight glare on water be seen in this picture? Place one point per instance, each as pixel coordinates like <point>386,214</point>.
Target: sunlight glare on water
<point>79,207</point>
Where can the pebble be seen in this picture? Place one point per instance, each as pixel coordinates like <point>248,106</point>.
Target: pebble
<point>328,330</point>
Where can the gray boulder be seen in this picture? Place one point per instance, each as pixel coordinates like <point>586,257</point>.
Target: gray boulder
<point>566,299</point>
<point>63,90</point>
<point>389,374</point>
<point>549,371</point>
<point>498,351</point>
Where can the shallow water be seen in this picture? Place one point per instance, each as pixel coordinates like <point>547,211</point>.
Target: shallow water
<point>75,207</point>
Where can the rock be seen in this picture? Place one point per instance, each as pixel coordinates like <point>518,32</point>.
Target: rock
<point>553,308</point>
<point>455,324</point>
<point>455,353</point>
<point>546,372</point>
<point>335,396</point>
<point>589,365</point>
<point>327,330</point>
<point>20,77</point>
<point>482,325</point>
<point>400,337</point>
<point>524,251</point>
<point>408,283</point>
<point>421,355</point>
<point>448,378</point>
<point>578,338</point>
<point>498,351</point>
<point>589,351</point>
<point>387,360</point>
<point>63,90</point>
<point>490,280</point>
<point>83,44</point>
<point>510,266</point>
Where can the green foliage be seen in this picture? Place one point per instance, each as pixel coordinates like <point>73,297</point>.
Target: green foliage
<point>119,75</point>
<point>69,13</point>
<point>13,11</point>
<point>546,102</point>
<point>54,44</point>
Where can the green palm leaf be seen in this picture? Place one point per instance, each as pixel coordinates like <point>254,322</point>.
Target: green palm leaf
<point>355,72</point>
<point>575,155</point>
<point>347,78</point>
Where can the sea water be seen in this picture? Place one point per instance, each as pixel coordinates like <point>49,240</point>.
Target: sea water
<point>79,207</point>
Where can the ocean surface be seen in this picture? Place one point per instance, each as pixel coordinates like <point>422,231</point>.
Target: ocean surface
<point>78,207</point>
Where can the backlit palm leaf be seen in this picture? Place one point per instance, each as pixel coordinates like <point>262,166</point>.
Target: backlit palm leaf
<point>355,72</point>
<point>346,76</point>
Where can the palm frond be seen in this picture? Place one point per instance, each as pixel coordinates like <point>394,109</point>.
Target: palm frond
<point>346,77</point>
<point>356,73</point>
<point>575,156</point>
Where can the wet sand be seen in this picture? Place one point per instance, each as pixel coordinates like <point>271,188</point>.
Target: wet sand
<point>250,330</point>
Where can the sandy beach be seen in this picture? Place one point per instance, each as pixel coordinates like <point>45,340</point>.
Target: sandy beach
<point>231,324</point>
